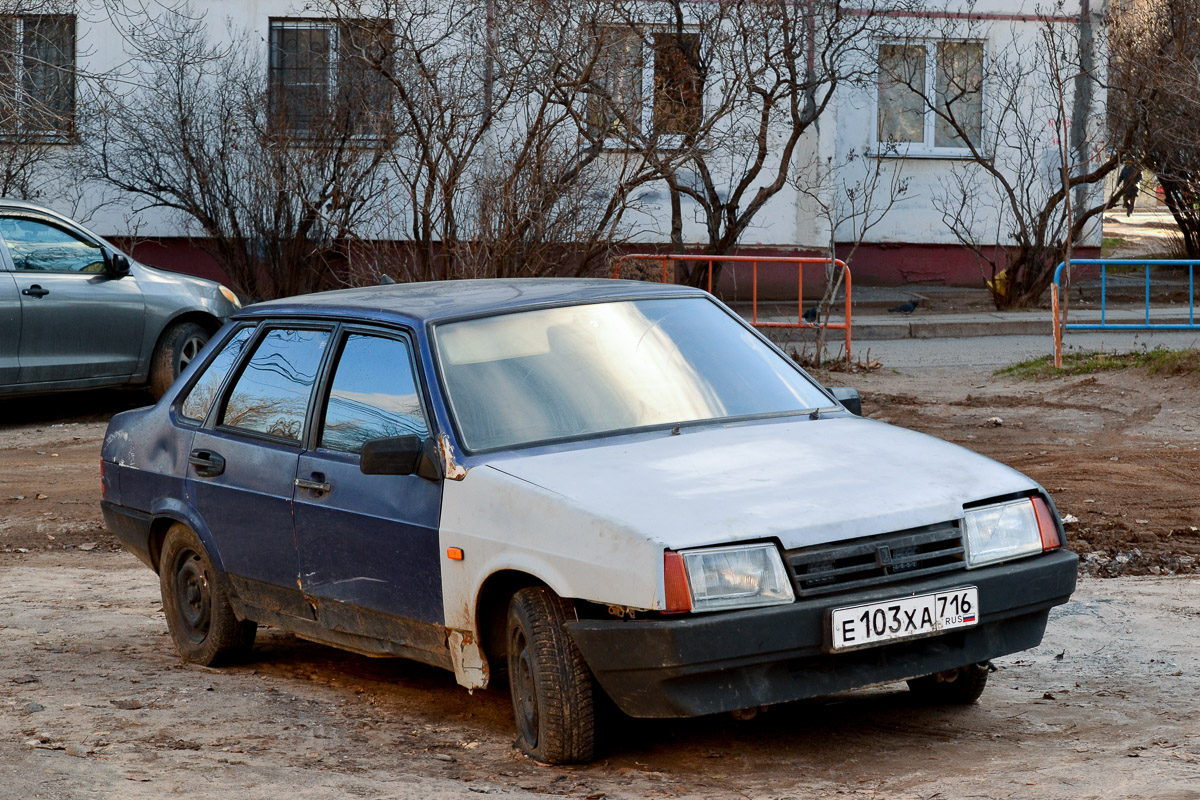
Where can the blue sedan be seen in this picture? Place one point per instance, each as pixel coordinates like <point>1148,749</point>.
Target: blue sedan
<point>592,486</point>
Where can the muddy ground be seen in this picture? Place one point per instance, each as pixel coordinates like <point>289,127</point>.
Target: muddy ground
<point>94,703</point>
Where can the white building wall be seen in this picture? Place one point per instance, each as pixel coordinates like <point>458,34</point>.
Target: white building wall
<point>789,220</point>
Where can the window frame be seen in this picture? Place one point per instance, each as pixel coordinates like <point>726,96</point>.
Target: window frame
<point>217,412</point>
<point>927,147</point>
<point>645,116</point>
<point>277,89</point>
<point>327,377</point>
<point>19,98</point>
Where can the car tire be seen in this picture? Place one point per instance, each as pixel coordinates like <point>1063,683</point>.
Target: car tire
<point>176,348</point>
<point>552,686</point>
<point>958,687</point>
<point>196,603</point>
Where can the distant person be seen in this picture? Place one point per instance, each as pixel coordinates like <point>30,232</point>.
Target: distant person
<point>1127,185</point>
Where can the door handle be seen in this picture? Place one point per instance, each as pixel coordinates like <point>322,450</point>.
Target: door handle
<point>35,291</point>
<point>320,485</point>
<point>207,463</point>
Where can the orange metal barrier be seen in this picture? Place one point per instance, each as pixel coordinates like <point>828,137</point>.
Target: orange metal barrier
<point>798,261</point>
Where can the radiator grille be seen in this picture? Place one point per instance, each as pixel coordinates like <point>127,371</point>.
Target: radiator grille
<point>876,560</point>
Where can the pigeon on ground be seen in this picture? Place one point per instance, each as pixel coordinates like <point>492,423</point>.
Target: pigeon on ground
<point>905,308</point>
<point>811,314</point>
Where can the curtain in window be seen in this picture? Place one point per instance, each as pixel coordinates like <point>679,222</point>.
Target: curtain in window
<point>901,93</point>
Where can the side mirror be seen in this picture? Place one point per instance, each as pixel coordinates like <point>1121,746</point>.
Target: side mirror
<point>848,397</point>
<point>118,265</point>
<point>400,455</point>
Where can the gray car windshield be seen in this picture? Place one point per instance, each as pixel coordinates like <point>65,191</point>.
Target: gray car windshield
<point>588,370</point>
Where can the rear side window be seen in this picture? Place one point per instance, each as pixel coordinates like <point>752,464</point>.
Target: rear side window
<point>271,395</point>
<point>200,399</point>
<point>374,395</point>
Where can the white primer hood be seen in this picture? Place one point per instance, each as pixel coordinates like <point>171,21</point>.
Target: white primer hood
<point>802,481</point>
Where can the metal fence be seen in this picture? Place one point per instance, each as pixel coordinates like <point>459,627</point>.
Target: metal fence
<point>799,262</point>
<point>1124,322</point>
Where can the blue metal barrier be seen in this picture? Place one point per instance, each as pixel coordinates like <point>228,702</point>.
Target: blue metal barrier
<point>1104,263</point>
<point>1104,324</point>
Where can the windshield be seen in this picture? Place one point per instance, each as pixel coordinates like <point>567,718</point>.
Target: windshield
<point>578,371</point>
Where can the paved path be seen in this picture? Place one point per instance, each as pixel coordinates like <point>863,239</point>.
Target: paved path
<point>1000,351</point>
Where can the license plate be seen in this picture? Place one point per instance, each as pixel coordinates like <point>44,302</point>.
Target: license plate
<point>904,618</point>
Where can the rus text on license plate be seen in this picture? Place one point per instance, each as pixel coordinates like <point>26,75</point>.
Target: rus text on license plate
<point>904,618</point>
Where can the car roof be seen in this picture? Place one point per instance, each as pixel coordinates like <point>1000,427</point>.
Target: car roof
<point>438,300</point>
<point>10,202</point>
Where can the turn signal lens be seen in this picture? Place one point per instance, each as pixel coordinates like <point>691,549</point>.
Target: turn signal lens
<point>678,595</point>
<point>228,294</point>
<point>454,553</point>
<point>1046,526</point>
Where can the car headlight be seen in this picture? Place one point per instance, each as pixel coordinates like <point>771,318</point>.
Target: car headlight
<point>228,294</point>
<point>714,578</point>
<point>1009,530</point>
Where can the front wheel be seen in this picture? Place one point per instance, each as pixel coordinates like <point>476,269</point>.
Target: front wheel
<point>552,687</point>
<point>956,687</point>
<point>199,616</point>
<point>178,345</point>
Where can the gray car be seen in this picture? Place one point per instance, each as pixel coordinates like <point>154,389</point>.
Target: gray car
<point>77,313</point>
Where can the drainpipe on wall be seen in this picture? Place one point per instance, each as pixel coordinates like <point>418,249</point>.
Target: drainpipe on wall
<point>1081,103</point>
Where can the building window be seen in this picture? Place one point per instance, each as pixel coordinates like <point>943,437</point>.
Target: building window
<point>651,87</point>
<point>325,76</point>
<point>678,87</point>
<point>914,80</point>
<point>37,76</point>
<point>615,103</point>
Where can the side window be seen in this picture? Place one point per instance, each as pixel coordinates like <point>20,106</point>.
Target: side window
<point>41,247</point>
<point>200,399</point>
<point>271,395</point>
<point>374,395</point>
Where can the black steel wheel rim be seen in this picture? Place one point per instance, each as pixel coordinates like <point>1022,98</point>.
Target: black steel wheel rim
<point>524,692</point>
<point>193,597</point>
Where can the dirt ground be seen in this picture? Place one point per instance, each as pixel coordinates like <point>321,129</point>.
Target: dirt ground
<point>95,704</point>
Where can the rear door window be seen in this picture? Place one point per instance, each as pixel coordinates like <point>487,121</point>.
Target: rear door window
<point>200,399</point>
<point>271,395</point>
<point>374,394</point>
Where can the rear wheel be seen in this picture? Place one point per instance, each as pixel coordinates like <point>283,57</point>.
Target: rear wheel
<point>552,687</point>
<point>199,616</point>
<point>961,686</point>
<point>178,345</point>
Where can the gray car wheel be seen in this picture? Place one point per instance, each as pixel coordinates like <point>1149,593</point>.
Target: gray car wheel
<point>181,343</point>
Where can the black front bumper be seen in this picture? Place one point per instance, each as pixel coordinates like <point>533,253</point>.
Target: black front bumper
<point>705,664</point>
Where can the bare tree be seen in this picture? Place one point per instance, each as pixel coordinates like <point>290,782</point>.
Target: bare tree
<point>1029,131</point>
<point>497,175</point>
<point>273,166</point>
<point>1155,65</point>
<point>852,195</point>
<point>734,87</point>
